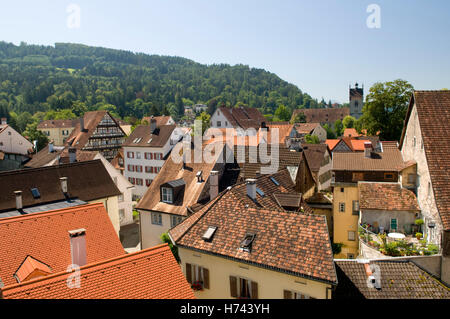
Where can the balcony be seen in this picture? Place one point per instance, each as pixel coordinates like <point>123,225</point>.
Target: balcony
<point>409,246</point>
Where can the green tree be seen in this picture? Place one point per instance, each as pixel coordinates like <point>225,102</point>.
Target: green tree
<point>330,132</point>
<point>338,128</point>
<point>299,118</point>
<point>166,239</point>
<point>206,121</point>
<point>385,109</point>
<point>32,134</point>
<point>282,113</point>
<point>312,139</point>
<point>349,122</point>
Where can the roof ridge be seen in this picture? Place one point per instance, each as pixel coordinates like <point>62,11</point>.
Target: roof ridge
<point>66,210</point>
<point>132,256</point>
<point>50,167</point>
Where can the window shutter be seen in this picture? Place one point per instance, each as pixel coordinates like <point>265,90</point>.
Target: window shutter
<point>189,273</point>
<point>233,286</point>
<point>205,278</point>
<point>287,294</point>
<point>254,290</point>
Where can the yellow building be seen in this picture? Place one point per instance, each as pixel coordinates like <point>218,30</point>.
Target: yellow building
<point>241,245</point>
<point>57,130</point>
<point>381,165</point>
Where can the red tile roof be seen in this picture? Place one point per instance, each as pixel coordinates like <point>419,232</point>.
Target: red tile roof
<point>148,274</point>
<point>305,128</point>
<point>29,266</point>
<point>386,196</point>
<point>160,120</point>
<point>45,237</point>
<point>433,109</point>
<point>289,242</point>
<point>57,124</point>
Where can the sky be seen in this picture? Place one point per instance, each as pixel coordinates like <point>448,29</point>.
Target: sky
<point>321,46</point>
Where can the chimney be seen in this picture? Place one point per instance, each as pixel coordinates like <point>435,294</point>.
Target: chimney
<point>367,149</point>
<point>152,125</point>
<point>4,121</point>
<point>82,128</point>
<point>50,147</point>
<point>72,154</point>
<point>78,246</point>
<point>213,185</point>
<point>370,277</point>
<point>251,188</point>
<point>199,176</point>
<point>19,204</point>
<point>63,181</point>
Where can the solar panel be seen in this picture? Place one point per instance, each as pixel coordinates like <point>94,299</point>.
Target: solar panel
<point>35,193</point>
<point>275,181</point>
<point>260,192</point>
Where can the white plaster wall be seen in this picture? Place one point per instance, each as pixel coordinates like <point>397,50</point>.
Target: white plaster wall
<point>12,142</point>
<point>218,116</point>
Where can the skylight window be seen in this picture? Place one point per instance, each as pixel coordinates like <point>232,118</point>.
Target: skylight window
<point>275,181</point>
<point>260,192</point>
<point>137,140</point>
<point>209,233</point>
<point>246,244</point>
<point>35,193</point>
<point>149,141</point>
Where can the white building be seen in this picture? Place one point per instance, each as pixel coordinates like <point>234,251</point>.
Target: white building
<point>145,151</point>
<point>13,147</point>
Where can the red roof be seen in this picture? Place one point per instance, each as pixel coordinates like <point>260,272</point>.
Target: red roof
<point>148,274</point>
<point>44,236</point>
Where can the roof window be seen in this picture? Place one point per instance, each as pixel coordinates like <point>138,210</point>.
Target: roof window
<point>246,244</point>
<point>275,181</point>
<point>209,233</point>
<point>35,193</point>
<point>260,192</point>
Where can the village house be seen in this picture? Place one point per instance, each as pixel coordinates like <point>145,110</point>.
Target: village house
<point>386,279</point>
<point>348,170</point>
<point>237,117</point>
<point>33,190</point>
<point>319,160</point>
<point>245,245</point>
<point>145,152</point>
<point>57,130</point>
<point>97,131</point>
<point>315,129</point>
<point>323,116</point>
<point>84,237</point>
<point>179,190</point>
<point>14,148</point>
<point>425,142</point>
<point>65,155</point>
<point>160,120</point>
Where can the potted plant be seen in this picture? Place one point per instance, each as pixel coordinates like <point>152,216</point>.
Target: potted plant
<point>197,285</point>
<point>419,235</point>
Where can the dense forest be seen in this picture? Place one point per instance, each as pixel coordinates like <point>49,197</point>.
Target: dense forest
<point>78,78</point>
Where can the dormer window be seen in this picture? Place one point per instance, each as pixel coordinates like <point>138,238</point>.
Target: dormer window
<point>246,244</point>
<point>167,195</point>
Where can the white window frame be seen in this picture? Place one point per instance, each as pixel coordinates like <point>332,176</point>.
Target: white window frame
<point>175,220</point>
<point>167,195</point>
<point>238,286</point>
<point>348,235</point>
<point>156,218</point>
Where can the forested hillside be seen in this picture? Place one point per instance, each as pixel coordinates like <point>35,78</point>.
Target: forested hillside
<point>78,78</point>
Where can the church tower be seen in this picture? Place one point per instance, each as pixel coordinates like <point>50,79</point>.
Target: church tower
<point>356,101</point>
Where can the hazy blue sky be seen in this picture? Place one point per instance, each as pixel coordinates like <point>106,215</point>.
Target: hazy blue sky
<point>321,46</point>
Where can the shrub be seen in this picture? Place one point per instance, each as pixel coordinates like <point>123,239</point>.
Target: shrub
<point>419,235</point>
<point>419,221</point>
<point>391,249</point>
<point>337,248</point>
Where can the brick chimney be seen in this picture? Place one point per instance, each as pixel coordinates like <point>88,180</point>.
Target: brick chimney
<point>152,125</point>
<point>367,149</point>
<point>82,128</point>
<point>78,246</point>
<point>64,187</point>
<point>251,188</point>
<point>213,185</point>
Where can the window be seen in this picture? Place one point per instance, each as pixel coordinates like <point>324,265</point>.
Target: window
<point>389,176</point>
<point>226,123</point>
<point>393,224</point>
<point>120,198</point>
<point>411,178</point>
<point>175,220</point>
<point>219,124</point>
<point>131,180</point>
<point>197,276</point>
<point>122,214</point>
<point>130,154</point>
<point>157,219</point>
<point>351,235</point>
<point>130,168</point>
<point>243,288</point>
<point>139,181</point>
<point>35,193</point>
<point>355,207</point>
<point>429,189</point>
<point>148,182</point>
<point>342,189</point>
<point>246,244</point>
<point>166,195</point>
<point>138,168</point>
<point>414,141</point>
<point>138,155</point>
<point>350,256</point>
<point>342,207</point>
<point>147,169</point>
<point>289,294</point>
